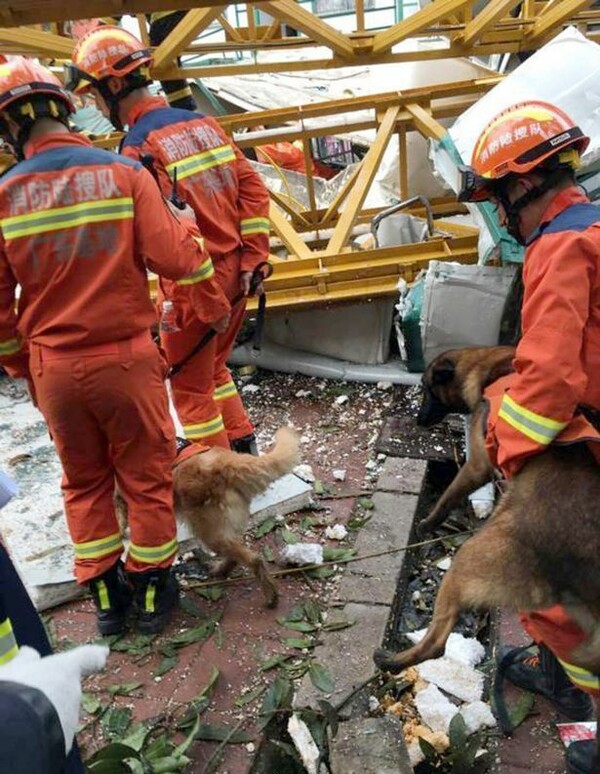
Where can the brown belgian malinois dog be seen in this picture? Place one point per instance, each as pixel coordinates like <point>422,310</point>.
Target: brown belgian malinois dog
<point>540,547</point>
<point>454,383</point>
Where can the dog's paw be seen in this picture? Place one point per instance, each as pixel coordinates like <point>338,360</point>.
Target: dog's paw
<point>386,661</point>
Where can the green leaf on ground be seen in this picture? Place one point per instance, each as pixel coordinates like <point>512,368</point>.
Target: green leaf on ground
<point>297,613</point>
<point>296,642</point>
<point>190,608</point>
<point>268,554</point>
<point>124,689</point>
<point>356,522</point>
<point>366,503</point>
<point>320,677</point>
<point>266,526</point>
<point>90,703</point>
<point>278,696</point>
<point>213,593</point>
<point>249,696</point>
<point>111,754</point>
<point>196,634</point>
<point>522,709</point>
<point>331,714</point>
<point>337,554</point>
<point>116,721</point>
<point>289,537</point>
<point>336,626</point>
<point>312,611</point>
<point>297,626</point>
<point>318,487</point>
<point>321,572</point>
<point>165,665</point>
<point>214,733</point>
<point>276,660</point>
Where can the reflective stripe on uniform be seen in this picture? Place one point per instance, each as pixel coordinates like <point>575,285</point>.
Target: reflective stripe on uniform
<point>8,643</point>
<point>103,595</point>
<point>538,428</point>
<point>153,554</point>
<point>255,226</point>
<point>227,390</point>
<point>10,346</point>
<point>204,429</point>
<point>150,598</point>
<point>95,549</point>
<point>203,272</point>
<point>67,217</point>
<point>581,677</point>
<point>173,96</point>
<point>199,162</point>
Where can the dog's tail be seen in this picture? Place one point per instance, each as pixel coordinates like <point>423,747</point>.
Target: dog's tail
<point>254,474</point>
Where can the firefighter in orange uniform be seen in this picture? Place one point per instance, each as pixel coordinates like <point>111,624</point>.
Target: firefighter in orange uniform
<point>524,162</point>
<point>78,227</point>
<point>231,205</point>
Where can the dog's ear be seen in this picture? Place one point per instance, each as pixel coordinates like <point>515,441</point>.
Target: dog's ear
<point>443,371</point>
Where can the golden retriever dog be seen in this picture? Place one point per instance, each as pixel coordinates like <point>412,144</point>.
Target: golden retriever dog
<point>212,493</point>
<point>541,545</point>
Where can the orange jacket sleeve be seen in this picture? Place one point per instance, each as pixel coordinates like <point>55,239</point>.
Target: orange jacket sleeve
<point>13,352</point>
<point>253,205</point>
<point>173,248</point>
<point>559,274</point>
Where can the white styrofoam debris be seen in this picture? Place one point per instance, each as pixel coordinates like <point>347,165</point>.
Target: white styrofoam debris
<point>381,457</point>
<point>371,465</point>
<point>373,703</point>
<point>302,553</point>
<point>340,400</point>
<point>336,532</point>
<point>304,743</point>
<point>384,385</point>
<point>454,677</point>
<point>303,393</point>
<point>339,474</point>
<point>444,564</point>
<point>415,754</point>
<point>435,709</point>
<point>250,388</point>
<point>305,472</point>
<point>467,650</point>
<point>477,715</point>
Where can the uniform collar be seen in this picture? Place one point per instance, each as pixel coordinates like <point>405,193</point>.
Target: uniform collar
<point>562,201</point>
<point>51,141</point>
<point>144,106</point>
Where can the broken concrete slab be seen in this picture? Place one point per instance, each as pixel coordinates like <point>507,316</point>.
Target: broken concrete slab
<point>374,580</point>
<point>346,654</point>
<point>370,746</point>
<point>403,475</point>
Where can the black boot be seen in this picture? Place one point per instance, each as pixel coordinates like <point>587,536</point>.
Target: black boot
<point>537,669</point>
<point>245,445</point>
<point>156,595</point>
<point>112,595</point>
<point>582,757</point>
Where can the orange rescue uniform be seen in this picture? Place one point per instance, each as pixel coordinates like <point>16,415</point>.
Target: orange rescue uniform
<point>78,227</point>
<point>231,205</point>
<point>557,364</point>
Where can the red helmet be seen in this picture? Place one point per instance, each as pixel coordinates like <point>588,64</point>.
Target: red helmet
<point>21,77</point>
<point>102,52</point>
<point>518,140</point>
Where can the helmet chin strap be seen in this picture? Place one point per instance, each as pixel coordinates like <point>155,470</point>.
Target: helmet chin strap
<point>513,209</point>
<point>113,100</point>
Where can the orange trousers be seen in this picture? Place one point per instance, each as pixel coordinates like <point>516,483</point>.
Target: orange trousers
<point>107,411</point>
<point>557,631</point>
<point>205,396</point>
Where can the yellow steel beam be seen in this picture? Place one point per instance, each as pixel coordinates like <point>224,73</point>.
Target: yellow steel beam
<point>188,28</point>
<point>143,28</point>
<point>28,41</point>
<point>485,19</point>
<point>341,196</point>
<point>298,17</point>
<point>425,123</point>
<point>230,30</point>
<point>286,232</point>
<point>554,17</point>
<point>369,166</point>
<point>415,23</point>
